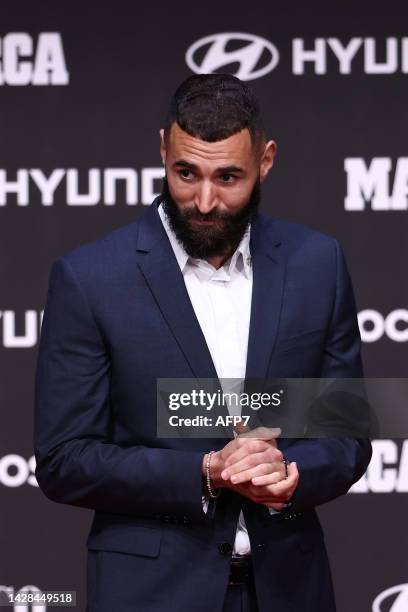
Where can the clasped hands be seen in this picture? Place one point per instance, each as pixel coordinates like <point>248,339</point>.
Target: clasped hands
<point>252,465</point>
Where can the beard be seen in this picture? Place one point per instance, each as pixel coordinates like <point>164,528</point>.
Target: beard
<point>216,239</point>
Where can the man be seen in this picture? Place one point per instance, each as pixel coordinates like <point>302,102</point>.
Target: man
<point>202,286</point>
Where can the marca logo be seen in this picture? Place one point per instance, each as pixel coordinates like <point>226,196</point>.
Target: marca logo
<point>373,325</point>
<point>387,471</point>
<point>101,186</point>
<point>22,62</point>
<point>254,55</point>
<point>372,183</point>
<point>387,602</point>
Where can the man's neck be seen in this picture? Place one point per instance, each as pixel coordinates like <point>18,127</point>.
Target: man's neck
<point>218,260</point>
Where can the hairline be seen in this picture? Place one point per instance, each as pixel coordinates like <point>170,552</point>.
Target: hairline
<point>257,138</point>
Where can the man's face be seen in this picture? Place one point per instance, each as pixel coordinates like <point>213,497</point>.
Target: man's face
<point>212,189</point>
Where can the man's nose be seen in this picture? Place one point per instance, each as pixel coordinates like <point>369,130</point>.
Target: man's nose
<point>206,198</point>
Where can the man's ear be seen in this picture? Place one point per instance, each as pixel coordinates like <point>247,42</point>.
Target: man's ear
<point>162,146</point>
<point>267,159</point>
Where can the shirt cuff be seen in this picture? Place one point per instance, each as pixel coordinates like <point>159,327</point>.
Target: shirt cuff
<point>206,500</point>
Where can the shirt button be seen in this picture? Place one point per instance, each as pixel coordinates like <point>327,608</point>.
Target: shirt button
<point>225,548</point>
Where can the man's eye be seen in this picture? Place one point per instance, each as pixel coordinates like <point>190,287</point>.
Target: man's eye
<point>185,172</point>
<point>227,178</point>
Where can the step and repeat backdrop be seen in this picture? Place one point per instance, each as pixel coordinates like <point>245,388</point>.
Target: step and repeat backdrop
<point>83,92</point>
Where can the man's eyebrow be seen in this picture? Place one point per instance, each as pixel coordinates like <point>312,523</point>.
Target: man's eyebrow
<point>183,163</point>
<point>229,169</point>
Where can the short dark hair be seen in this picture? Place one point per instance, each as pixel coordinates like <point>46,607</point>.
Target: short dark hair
<point>213,107</point>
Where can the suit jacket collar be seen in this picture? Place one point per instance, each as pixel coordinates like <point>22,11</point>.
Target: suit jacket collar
<point>165,280</point>
<point>183,258</point>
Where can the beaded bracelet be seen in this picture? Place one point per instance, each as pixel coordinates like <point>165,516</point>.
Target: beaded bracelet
<point>211,492</point>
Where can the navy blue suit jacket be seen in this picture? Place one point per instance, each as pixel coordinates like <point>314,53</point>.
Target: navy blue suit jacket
<point>117,317</point>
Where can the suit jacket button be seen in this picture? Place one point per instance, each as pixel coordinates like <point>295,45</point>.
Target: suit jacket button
<point>225,548</point>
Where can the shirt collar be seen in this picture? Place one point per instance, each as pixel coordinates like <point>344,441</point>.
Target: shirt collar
<point>240,260</point>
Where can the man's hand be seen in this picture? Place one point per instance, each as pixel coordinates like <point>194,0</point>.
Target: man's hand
<point>272,490</point>
<point>253,466</point>
<point>255,442</point>
<point>281,491</point>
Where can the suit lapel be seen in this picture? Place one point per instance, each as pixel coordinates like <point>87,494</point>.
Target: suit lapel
<point>269,268</point>
<point>165,280</point>
<point>159,267</point>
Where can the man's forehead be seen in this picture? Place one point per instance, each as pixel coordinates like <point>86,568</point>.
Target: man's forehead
<point>237,147</point>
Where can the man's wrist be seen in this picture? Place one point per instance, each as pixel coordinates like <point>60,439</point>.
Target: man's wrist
<point>204,476</point>
<point>203,473</point>
<point>215,481</point>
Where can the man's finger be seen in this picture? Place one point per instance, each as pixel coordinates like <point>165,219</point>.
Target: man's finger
<point>246,448</point>
<point>267,479</point>
<point>282,486</point>
<point>244,452</point>
<point>262,469</point>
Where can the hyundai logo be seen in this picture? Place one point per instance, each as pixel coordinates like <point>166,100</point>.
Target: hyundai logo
<point>254,55</point>
<point>385,602</point>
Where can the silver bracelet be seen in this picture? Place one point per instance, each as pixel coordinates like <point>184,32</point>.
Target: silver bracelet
<point>207,471</point>
<point>285,462</point>
<point>287,504</point>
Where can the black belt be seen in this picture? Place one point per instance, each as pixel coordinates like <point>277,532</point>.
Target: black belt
<point>241,571</point>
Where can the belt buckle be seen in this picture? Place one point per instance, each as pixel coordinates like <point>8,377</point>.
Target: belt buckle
<point>240,570</point>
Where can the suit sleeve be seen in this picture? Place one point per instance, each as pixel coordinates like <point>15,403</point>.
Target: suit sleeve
<point>76,462</point>
<point>329,466</point>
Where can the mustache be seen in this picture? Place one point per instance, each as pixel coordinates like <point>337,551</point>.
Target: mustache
<point>197,215</point>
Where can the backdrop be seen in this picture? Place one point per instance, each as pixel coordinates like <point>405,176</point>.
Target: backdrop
<point>83,89</point>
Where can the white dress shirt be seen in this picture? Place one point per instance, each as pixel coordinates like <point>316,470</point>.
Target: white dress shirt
<point>221,299</point>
